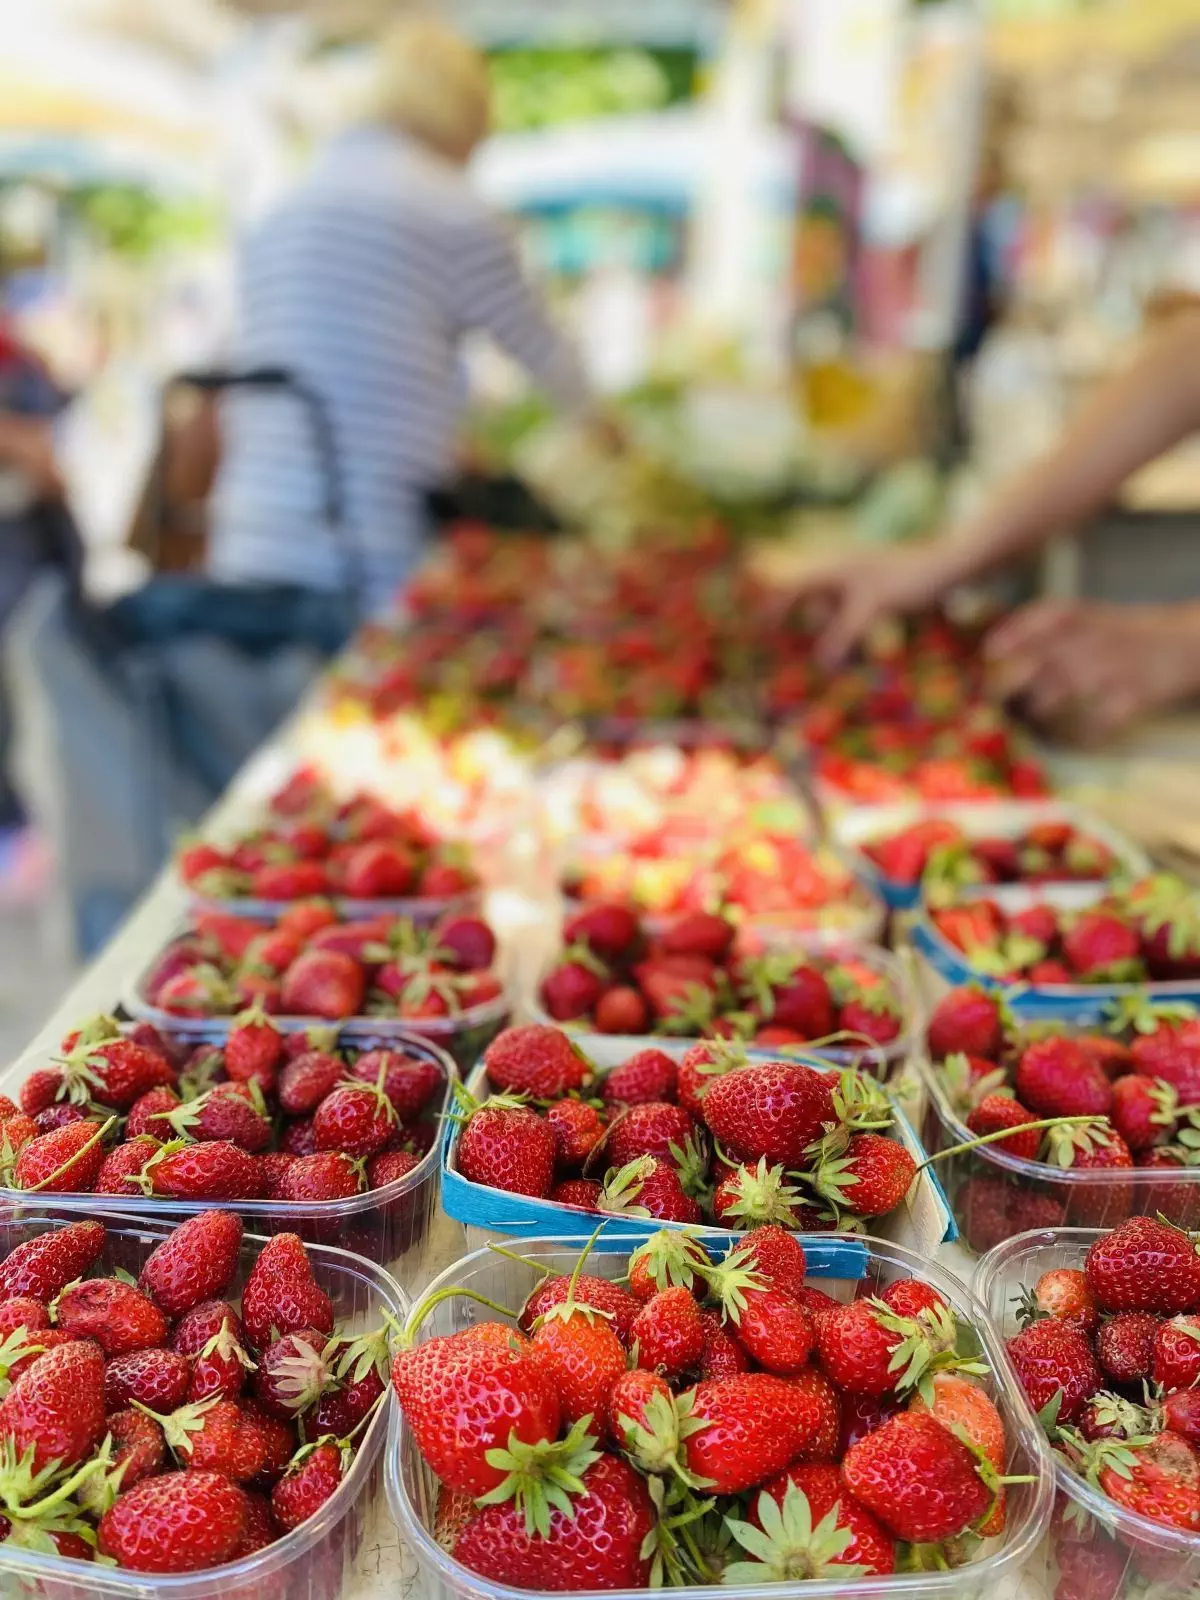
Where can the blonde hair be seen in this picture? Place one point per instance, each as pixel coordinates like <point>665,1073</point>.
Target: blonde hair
<point>434,84</point>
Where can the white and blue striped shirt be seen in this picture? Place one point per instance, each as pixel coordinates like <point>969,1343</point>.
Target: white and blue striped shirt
<point>362,283</point>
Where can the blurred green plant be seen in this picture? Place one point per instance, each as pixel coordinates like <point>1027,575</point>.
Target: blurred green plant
<point>136,223</point>
<point>543,87</point>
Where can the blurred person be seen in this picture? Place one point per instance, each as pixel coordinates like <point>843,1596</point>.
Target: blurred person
<point>361,284</point>
<point>1101,666</point>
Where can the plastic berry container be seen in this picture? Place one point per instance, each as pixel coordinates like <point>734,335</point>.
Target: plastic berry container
<point>384,1225</point>
<point>883,1061</point>
<point>423,913</point>
<point>1002,819</point>
<point>1124,1554</point>
<point>922,1221</point>
<point>314,1562</point>
<point>995,1194</point>
<point>462,1037</point>
<point>846,1266</point>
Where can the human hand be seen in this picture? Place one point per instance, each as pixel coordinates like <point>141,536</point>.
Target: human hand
<point>861,587</point>
<point>1098,667</point>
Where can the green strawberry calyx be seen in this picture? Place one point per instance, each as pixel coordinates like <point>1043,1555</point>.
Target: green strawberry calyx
<point>964,1089</point>
<point>762,1194</point>
<point>927,1344</point>
<point>1138,1013</point>
<point>1064,1144</point>
<point>20,1485</point>
<point>356,1357</point>
<point>789,1547</point>
<point>692,1164</point>
<point>671,1260</point>
<point>860,1103</point>
<point>670,1547</point>
<point>623,1186</point>
<point>544,1476</point>
<point>655,1444</point>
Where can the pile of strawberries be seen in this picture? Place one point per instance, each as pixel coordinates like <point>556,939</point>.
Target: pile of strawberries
<point>266,1116</point>
<point>943,854</point>
<point>1131,1095</point>
<point>159,1426</point>
<point>1149,931</point>
<point>713,1421</point>
<point>689,979</point>
<point>362,850</point>
<point>1110,1359</point>
<point>713,1137</point>
<point>310,963</point>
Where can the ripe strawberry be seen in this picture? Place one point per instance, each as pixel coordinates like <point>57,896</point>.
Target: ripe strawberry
<point>647,1076</point>
<point>1171,1052</point>
<point>1056,1078</point>
<point>968,1021</point>
<point>1181,1413</point>
<point>57,1117</point>
<point>801,998</point>
<point>221,1362</point>
<point>874,1015</point>
<point>702,1065</point>
<point>648,1187</point>
<point>138,1451</point>
<point>56,1406</point>
<point>1144,1110</point>
<point>323,983</point>
<point>507,1146</point>
<point>574,985</point>
<point>1162,1482</point>
<point>1037,922</point>
<point>281,1296</point>
<point>315,1472</point>
<point>120,1072</point>
<point>584,1358</point>
<point>668,1333</point>
<point>253,1050</point>
<point>378,869</point>
<point>1063,1293</point>
<point>584,1193</point>
<point>578,1128</point>
<point>356,1118</point>
<point>221,1113</point>
<point>215,1435</point>
<point>43,1266</point>
<point>698,933</point>
<point>654,1128</point>
<point>298,1138</point>
<point>776,1256</point>
<point>870,1176</point>
<point>598,1544</point>
<point>964,1408</point>
<point>260,1529</point>
<point>771,1325</point>
<point>157,1378</point>
<point>604,1295</point>
<point>467,943</point>
<point>750,1196</point>
<point>1144,1265</point>
<point>177,1522</point>
<point>1175,1362</point>
<point>536,1060</point>
<point>1125,1346</point>
<point>1113,1057</point>
<point>194,860</point>
<point>325,1175</point>
<point>823,1444</point>
<point>621,1010</point>
<point>293,1373</point>
<point>609,931</point>
<point>775,1110</point>
<point>996,1111</point>
<point>723,1356</point>
<point>219,1170</point>
<point>921,1481</point>
<point>909,1297</point>
<point>803,1520</point>
<point>1102,947</point>
<point>66,1161</point>
<point>289,880</point>
<point>113,1313</point>
<point>1050,1356</point>
<point>194,1263</point>
<point>466,1397</point>
<point>756,1425</point>
<point>389,1166</point>
<point>23,1312</point>
<point>146,1114</point>
<point>306,1080</point>
<point>409,1082</point>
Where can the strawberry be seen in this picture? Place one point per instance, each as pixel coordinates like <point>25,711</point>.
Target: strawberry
<point>996,1111</point>
<point>1175,1361</point>
<point>137,1452</point>
<point>23,1312</point>
<point>195,860</point>
<point>378,869</point>
<point>157,1378</point>
<point>667,1260</point>
<point>965,1409</point>
<point>409,1082</point>
<point>220,1170</point>
<point>856,1345</point>
<point>870,1175</point>
<point>536,1060</point>
<point>1160,1479</point>
<point>823,1444</point>
<point>281,1296</point>
<point>698,933</point>
<point>306,1080</point>
<point>298,1138</point>
<point>506,1146</point>
<point>584,1193</point>
<point>599,1542</point>
<point>918,1479</point>
<point>260,1529</point>
<point>1113,1057</point>
<point>1052,1357</point>
<point>1045,972</point>
<point>578,1128</point>
<point>775,1110</point>
<point>465,943</point>
<point>222,1113</point>
<point>389,1166</point>
<point>325,1175</point>
<point>770,1323</point>
<point>253,1050</point>
<point>467,1400</point>
<point>574,985</point>
<point>609,931</point>
<point>177,1522</point>
<point>1101,947</point>
<point>215,1435</point>
<point>748,1196</point>
<point>42,1267</point>
<point>804,1522</point>
<point>323,983</point>
<point>647,1187</point>
<point>723,1356</point>
<point>777,1257</point>
<point>294,1372</point>
<point>1144,1110</point>
<point>699,1067</point>
<point>56,1406</point>
<point>1125,1346</point>
<point>755,1425</point>
<point>1056,1078</point>
<point>654,1128</point>
<point>584,1358</point>
<point>621,1009</point>
<point>1062,1293</point>
<point>355,1118</point>
<point>619,1305</point>
<point>114,1314</point>
<point>648,1075</point>
<point>1171,1053</point>
<point>874,1016</point>
<point>1144,1265</point>
<point>66,1161</point>
<point>57,1117</point>
<point>1037,922</point>
<point>145,1116</point>
<point>668,1333</point>
<point>116,1072</point>
<point>1181,1413</point>
<point>314,1473</point>
<point>196,1262</point>
<point>968,1021</point>
<point>800,999</point>
<point>289,880</point>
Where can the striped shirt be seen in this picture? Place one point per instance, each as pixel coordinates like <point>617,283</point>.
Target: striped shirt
<point>362,283</point>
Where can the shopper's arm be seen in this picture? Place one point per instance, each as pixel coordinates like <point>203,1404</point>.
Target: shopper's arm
<point>1135,417</point>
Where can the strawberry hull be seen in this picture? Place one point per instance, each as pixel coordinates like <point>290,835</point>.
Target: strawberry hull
<point>922,1223</point>
<point>1123,1552</point>
<point>843,1266</point>
<point>384,1225</point>
<point>317,1560</point>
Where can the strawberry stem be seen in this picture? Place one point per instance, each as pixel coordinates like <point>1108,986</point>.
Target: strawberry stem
<point>524,1261</point>
<point>64,1491</point>
<point>1004,1133</point>
<point>452,1291</point>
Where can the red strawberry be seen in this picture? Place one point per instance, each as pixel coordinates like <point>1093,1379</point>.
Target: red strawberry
<point>356,1118</point>
<point>967,1021</point>
<point>316,1471</point>
<point>1101,947</point>
<point>221,1362</point>
<point>918,1478</point>
<point>325,1175</point>
<point>137,1452</point>
<point>289,880</point>
<point>177,1522</point>
<point>507,1147</point>
<point>996,1111</point>
<point>776,1256</point>
<point>775,1110</point>
<point>215,1435</point>
<point>649,1129</point>
<point>823,1444</point>
<point>698,933</point>
<point>604,1295</point>
<point>43,1266</point>
<point>57,1117</point>
<point>157,1378</point>
<point>194,860</point>
<point>253,1050</point>
<point>648,1186</point>
<point>1144,1265</point>
<point>795,1532</point>
<point>1144,1110</point>
<point>648,1075</point>
<point>668,1332</point>
<point>723,1356</point>
<point>1044,972</point>
<point>306,1080</point>
<point>585,1193</point>
<point>870,1176</point>
<point>222,1113</point>
<point>1181,1413</point>
<point>323,983</point>
<point>114,1314</point>
<point>536,1060</point>
<point>574,985</point>
<point>667,1260</point>
<point>584,1358</point>
<point>281,1295</point>
<point>409,1082</point>
<point>146,1114</point>
<point>1162,1483</point>
<point>610,931</point>
<point>1063,1293</point>
<point>390,1166</point>
<point>1036,922</point>
<point>770,1323</point>
<point>65,1161</point>
<point>294,1372</point>
<point>1050,1356</point>
<point>756,1425</point>
<point>467,943</point>
<point>621,1010</point>
<point>377,870</point>
<point>1056,1078</point>
<point>120,1072</point>
<point>298,1138</point>
<point>219,1170</point>
<point>875,1016</point>
<point>1175,1362</point>
<point>802,1002</point>
<point>1125,1346</point>
<point>196,1262</point>
<point>578,1128</point>
<point>1171,1053</point>
<point>56,1406</point>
